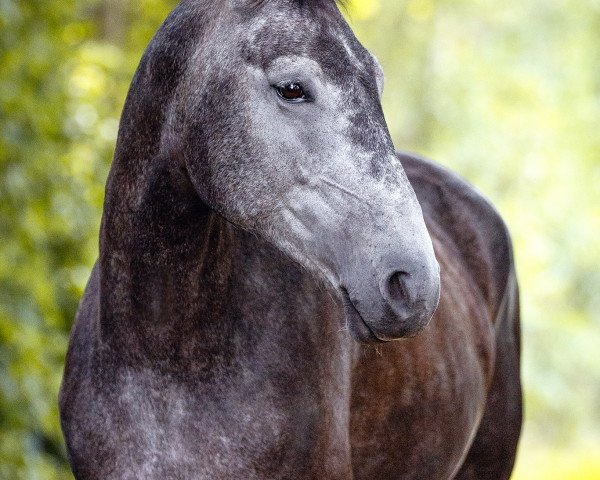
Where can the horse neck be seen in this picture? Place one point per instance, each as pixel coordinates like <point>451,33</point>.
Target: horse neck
<point>182,288</point>
<point>186,295</point>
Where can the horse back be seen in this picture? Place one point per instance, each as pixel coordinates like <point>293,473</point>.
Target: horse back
<point>466,223</point>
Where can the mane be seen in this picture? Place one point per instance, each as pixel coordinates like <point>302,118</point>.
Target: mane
<point>318,3</point>
<point>302,3</point>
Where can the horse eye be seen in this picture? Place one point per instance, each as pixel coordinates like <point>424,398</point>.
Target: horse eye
<point>291,92</point>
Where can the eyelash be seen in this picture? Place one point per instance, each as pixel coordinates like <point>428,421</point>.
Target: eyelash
<point>305,96</point>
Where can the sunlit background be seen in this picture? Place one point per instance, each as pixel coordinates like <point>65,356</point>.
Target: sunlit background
<point>505,92</point>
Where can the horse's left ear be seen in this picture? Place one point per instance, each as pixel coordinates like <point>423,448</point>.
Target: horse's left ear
<point>379,76</point>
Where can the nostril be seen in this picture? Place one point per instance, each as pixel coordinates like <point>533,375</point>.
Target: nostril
<point>396,287</point>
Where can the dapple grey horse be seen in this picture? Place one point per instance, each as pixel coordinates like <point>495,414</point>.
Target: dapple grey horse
<point>262,245</point>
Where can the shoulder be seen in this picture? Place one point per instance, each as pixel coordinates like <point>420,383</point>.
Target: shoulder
<point>464,221</point>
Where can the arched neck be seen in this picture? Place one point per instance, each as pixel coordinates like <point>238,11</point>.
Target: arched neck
<point>161,253</point>
<point>182,287</point>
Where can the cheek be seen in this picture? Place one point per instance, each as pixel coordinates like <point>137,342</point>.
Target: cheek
<point>277,133</point>
<point>218,151</point>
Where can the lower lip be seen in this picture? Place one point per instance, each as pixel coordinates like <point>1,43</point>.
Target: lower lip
<point>356,323</point>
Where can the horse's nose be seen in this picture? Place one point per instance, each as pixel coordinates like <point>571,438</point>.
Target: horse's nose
<point>412,295</point>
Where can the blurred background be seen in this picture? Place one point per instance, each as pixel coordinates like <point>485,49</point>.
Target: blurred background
<point>507,93</point>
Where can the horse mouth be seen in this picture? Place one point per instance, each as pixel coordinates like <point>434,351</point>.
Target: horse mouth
<point>357,325</point>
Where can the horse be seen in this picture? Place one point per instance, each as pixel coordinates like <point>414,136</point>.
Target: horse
<point>279,293</point>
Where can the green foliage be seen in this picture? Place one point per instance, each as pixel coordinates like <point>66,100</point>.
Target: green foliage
<point>506,93</point>
<point>64,71</point>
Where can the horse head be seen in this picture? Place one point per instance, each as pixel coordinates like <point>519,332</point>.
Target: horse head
<point>278,121</point>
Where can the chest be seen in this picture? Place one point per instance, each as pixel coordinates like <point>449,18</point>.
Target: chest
<point>416,404</point>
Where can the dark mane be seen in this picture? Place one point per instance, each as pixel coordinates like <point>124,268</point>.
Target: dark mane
<point>305,3</point>
<point>317,3</point>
